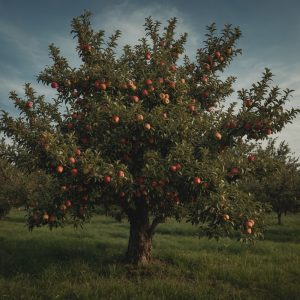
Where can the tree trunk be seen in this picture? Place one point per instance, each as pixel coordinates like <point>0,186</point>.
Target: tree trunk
<point>140,242</point>
<point>279,218</point>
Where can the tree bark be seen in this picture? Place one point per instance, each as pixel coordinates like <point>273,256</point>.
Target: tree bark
<point>140,242</point>
<point>279,218</point>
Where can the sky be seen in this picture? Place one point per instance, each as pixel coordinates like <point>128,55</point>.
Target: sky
<point>270,38</point>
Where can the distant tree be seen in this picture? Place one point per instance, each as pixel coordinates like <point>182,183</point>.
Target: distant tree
<point>276,178</point>
<point>145,135</point>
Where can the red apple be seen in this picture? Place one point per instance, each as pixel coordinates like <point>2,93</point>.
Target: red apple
<point>218,136</point>
<point>234,170</point>
<point>102,86</point>
<point>172,68</point>
<point>72,160</point>
<point>70,125</point>
<point>74,172</point>
<point>145,92</point>
<point>97,84</point>
<point>139,117</point>
<point>147,56</point>
<point>205,94</point>
<point>204,79</point>
<point>248,102</point>
<point>225,217</point>
<point>251,158</point>
<point>197,180</point>
<point>68,203</point>
<point>46,217</point>
<point>115,119</point>
<point>249,223</point>
<point>172,84</point>
<point>29,104</point>
<point>248,231</point>
<point>268,131</point>
<point>121,174</point>
<point>54,85</point>
<point>207,67</point>
<point>173,168</point>
<point>217,54</point>
<point>148,81</point>
<point>160,80</point>
<point>60,169</point>
<point>77,152</point>
<point>107,179</point>
<point>135,99</point>
<point>147,126</point>
<point>178,166</point>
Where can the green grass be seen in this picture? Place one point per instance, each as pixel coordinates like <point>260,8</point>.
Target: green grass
<point>86,263</point>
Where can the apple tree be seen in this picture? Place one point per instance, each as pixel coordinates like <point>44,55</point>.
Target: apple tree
<point>276,178</point>
<point>143,133</point>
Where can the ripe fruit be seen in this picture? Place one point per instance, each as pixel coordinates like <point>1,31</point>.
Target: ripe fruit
<point>45,217</point>
<point>172,84</point>
<point>218,136</point>
<point>148,81</point>
<point>139,117</point>
<point>172,68</point>
<point>148,56</point>
<point>135,99</point>
<point>207,67</point>
<point>226,217</point>
<point>145,92</point>
<point>60,169</point>
<point>250,223</point>
<point>192,108</point>
<point>205,94</point>
<point>217,54</point>
<point>115,119</point>
<point>68,203</point>
<point>173,168</point>
<point>74,172</point>
<point>70,125</point>
<point>54,85</point>
<point>77,152</point>
<point>102,86</point>
<point>248,102</point>
<point>229,51</point>
<point>107,179</point>
<point>204,79</point>
<point>72,160</point>
<point>29,104</point>
<point>63,207</point>
<point>251,157</point>
<point>147,126</point>
<point>160,80</point>
<point>97,84</point>
<point>178,166</point>
<point>268,131</point>
<point>121,174</point>
<point>121,194</point>
<point>197,180</point>
<point>234,170</point>
<point>248,231</point>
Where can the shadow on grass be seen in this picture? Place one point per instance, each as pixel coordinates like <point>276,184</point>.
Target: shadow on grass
<point>283,234</point>
<point>34,256</point>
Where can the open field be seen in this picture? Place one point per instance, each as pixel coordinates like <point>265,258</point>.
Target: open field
<point>85,263</point>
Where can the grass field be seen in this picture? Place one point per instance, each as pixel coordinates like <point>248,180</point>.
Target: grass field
<point>86,263</point>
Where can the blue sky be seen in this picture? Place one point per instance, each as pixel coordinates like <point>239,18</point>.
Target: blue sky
<point>271,38</point>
